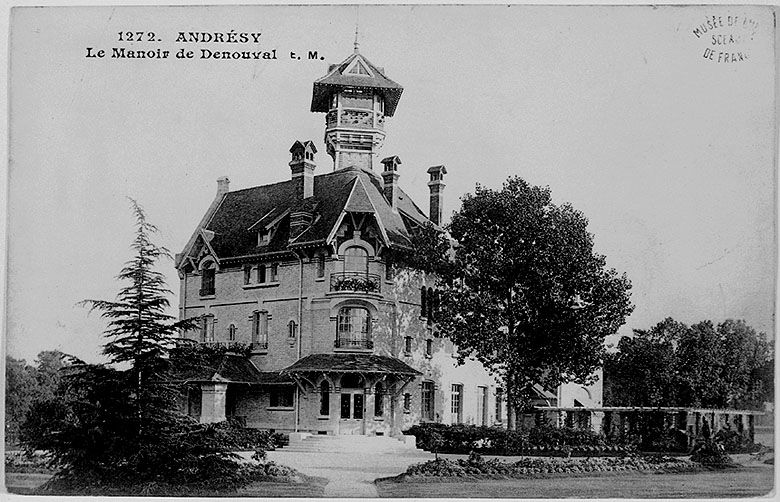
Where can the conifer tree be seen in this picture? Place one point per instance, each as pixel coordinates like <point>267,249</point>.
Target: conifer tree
<point>140,331</point>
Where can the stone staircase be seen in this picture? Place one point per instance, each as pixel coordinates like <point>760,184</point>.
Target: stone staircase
<point>350,444</point>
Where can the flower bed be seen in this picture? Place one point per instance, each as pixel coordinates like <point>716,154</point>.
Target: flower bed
<point>476,467</point>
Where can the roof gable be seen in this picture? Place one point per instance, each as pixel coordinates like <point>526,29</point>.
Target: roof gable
<point>342,75</point>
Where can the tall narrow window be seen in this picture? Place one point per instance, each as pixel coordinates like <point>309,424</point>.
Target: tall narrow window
<point>426,396</point>
<point>388,268</point>
<point>457,403</point>
<point>429,314</point>
<point>207,328</point>
<point>499,404</point>
<point>428,348</point>
<point>408,345</point>
<point>260,330</point>
<point>208,275</point>
<point>325,398</point>
<point>423,302</point>
<point>407,402</point>
<point>482,405</point>
<point>379,397</point>
<point>292,329</point>
<point>320,265</point>
<point>247,274</point>
<point>261,273</point>
<point>274,272</point>
<point>232,333</point>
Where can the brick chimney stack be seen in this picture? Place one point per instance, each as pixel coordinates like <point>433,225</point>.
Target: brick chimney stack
<point>223,186</point>
<point>390,178</point>
<point>302,166</point>
<point>436,184</point>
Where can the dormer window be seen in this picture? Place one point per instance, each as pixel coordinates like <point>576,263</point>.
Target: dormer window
<point>263,237</point>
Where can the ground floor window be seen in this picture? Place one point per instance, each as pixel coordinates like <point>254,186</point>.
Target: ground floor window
<point>482,405</point>
<point>283,397</point>
<point>407,402</point>
<point>457,403</point>
<point>499,405</point>
<point>426,394</point>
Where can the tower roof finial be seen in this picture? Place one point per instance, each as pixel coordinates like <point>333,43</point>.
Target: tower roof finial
<point>357,24</point>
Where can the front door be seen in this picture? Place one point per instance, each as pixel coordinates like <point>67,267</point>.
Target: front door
<point>352,412</point>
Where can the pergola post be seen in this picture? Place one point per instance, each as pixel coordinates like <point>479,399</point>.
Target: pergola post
<point>213,400</point>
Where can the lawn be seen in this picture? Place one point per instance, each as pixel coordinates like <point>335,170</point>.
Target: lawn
<point>743,482</point>
<point>25,484</point>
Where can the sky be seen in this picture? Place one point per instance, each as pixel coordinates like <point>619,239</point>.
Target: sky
<point>622,111</point>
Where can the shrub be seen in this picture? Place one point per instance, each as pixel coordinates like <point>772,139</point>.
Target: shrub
<point>734,442</point>
<point>711,454</point>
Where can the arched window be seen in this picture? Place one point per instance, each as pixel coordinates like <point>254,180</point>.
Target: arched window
<point>292,329</point>
<point>423,302</point>
<point>379,406</point>
<point>207,279</point>
<point>353,329</point>
<point>356,260</point>
<point>232,333</point>
<point>324,398</point>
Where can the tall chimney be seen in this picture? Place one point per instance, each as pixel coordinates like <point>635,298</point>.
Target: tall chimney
<point>302,167</point>
<point>436,184</point>
<point>223,186</point>
<point>390,178</point>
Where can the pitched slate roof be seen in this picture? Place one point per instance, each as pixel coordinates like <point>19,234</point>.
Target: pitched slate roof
<point>229,368</point>
<point>338,78</point>
<point>243,212</point>
<point>351,363</point>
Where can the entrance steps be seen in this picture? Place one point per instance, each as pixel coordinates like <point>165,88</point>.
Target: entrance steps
<point>351,444</point>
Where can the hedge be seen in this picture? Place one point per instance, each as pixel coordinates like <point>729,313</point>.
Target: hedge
<point>541,440</point>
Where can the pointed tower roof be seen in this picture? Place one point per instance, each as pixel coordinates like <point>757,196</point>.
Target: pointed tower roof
<point>355,71</point>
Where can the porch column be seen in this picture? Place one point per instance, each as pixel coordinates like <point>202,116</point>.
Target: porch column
<point>368,412</point>
<point>212,402</point>
<point>596,419</point>
<point>335,408</point>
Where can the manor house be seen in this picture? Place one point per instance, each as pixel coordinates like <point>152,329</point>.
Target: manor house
<point>341,339</point>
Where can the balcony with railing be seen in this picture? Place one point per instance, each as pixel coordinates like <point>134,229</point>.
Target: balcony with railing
<point>349,343</point>
<point>354,118</point>
<point>355,282</point>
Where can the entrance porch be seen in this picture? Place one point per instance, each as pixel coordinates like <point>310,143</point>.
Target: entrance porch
<point>350,394</point>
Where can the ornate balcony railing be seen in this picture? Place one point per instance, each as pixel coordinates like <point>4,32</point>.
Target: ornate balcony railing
<point>355,281</point>
<point>227,345</point>
<point>346,343</point>
<point>354,118</point>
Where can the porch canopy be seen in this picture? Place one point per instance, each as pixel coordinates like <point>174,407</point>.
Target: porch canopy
<point>227,368</point>
<point>315,368</point>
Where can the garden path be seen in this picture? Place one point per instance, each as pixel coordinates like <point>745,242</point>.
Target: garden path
<point>350,474</point>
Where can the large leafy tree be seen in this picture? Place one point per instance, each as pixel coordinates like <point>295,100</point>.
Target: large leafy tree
<point>527,295</point>
<point>672,364</point>
<point>27,384</point>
